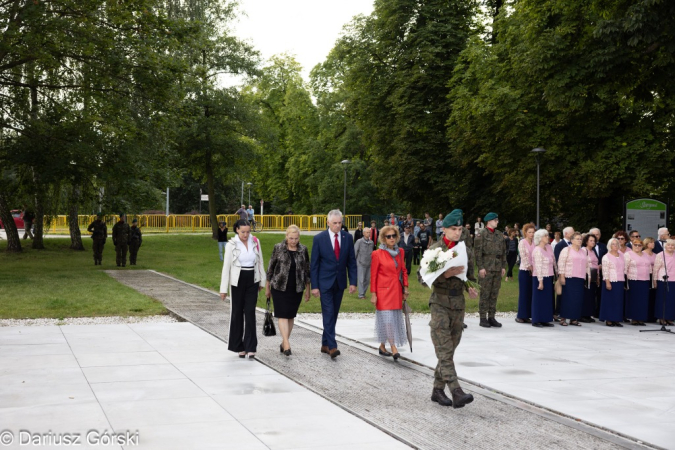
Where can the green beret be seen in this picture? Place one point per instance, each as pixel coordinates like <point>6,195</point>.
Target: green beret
<point>99,214</point>
<point>489,217</point>
<point>454,219</point>
<point>134,221</point>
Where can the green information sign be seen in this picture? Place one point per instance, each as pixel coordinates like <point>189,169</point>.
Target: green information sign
<point>645,215</point>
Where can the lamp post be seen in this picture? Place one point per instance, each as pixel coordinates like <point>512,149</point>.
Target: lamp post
<point>249,192</point>
<point>344,163</point>
<point>242,192</point>
<point>537,151</point>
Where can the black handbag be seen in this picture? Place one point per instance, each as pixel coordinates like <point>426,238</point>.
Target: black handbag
<point>268,325</point>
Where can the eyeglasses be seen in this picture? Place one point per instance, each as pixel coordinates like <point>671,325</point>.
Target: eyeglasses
<point>621,238</point>
<point>637,245</point>
<point>390,236</point>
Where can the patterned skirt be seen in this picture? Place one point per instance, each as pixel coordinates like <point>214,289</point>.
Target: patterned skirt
<point>390,327</point>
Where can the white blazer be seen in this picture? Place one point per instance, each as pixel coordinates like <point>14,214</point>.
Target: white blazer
<point>232,266</point>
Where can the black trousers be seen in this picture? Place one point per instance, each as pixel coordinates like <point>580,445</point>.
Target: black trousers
<point>243,337</point>
<point>511,258</point>
<point>408,261</point>
<point>133,251</point>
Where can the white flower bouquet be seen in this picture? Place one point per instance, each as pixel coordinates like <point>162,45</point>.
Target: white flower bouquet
<point>440,259</point>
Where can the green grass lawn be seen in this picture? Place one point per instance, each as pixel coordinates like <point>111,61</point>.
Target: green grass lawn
<point>58,282</point>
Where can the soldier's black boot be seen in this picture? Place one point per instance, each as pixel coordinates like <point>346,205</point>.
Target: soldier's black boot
<point>460,398</point>
<point>438,396</point>
<point>484,322</point>
<point>493,322</point>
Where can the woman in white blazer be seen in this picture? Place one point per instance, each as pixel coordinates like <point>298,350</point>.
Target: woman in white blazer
<point>243,276</point>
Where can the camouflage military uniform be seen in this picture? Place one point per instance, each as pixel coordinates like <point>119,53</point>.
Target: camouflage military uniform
<point>120,235</point>
<point>490,250</point>
<point>99,233</point>
<point>447,305</point>
<point>135,241</point>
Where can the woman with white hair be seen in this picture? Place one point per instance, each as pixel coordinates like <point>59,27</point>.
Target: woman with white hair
<point>287,277</point>
<point>613,272</point>
<point>543,269</point>
<point>664,264</point>
<point>573,268</point>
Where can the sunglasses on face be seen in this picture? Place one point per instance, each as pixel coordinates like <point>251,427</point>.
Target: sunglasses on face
<point>390,236</point>
<point>621,238</point>
<point>636,236</point>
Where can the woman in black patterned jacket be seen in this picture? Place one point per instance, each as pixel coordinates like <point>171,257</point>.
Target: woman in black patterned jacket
<point>287,278</point>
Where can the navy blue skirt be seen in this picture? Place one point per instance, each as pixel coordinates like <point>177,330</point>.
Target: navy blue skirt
<point>670,300</point>
<point>573,298</point>
<point>542,307</point>
<point>524,294</point>
<point>590,294</point>
<point>638,300</point>
<point>611,308</point>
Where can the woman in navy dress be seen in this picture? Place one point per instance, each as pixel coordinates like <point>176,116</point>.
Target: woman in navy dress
<point>638,273</point>
<point>573,269</point>
<point>592,280</point>
<point>543,269</point>
<point>665,260</point>
<point>613,273</point>
<point>525,249</point>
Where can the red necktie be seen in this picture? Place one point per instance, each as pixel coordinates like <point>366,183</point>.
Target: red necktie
<point>337,248</point>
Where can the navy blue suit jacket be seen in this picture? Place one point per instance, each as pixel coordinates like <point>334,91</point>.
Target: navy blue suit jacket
<point>559,248</point>
<point>601,251</point>
<point>658,248</point>
<point>325,269</point>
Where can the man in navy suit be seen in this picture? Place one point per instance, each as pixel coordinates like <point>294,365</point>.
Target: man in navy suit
<point>564,242</point>
<point>660,243</point>
<point>332,258</point>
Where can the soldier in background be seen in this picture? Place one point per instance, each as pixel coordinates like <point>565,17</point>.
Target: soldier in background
<point>120,234</point>
<point>490,251</point>
<point>135,241</point>
<point>447,306</point>
<point>99,233</point>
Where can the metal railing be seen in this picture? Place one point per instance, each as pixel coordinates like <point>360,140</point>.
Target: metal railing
<point>185,223</point>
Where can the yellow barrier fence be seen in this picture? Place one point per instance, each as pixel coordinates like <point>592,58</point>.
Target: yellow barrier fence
<point>174,223</point>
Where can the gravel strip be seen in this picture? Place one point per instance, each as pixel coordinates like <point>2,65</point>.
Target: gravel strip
<point>317,316</point>
<point>86,321</point>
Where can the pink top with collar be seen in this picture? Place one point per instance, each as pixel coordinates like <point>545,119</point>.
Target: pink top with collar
<point>638,267</point>
<point>592,259</point>
<point>543,263</point>
<point>659,270</point>
<point>573,263</point>
<point>613,267</point>
<point>525,250</point>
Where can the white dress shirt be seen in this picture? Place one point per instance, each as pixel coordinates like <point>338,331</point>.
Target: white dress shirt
<point>332,239</point>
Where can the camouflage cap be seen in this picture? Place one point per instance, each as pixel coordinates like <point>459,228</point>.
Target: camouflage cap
<point>454,219</point>
<point>490,216</point>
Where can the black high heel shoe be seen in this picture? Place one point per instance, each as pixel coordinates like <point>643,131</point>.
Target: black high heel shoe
<point>288,352</point>
<point>281,348</point>
<point>397,355</point>
<point>384,352</point>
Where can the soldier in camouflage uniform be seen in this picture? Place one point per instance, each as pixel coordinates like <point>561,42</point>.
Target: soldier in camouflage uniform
<point>121,233</point>
<point>447,305</point>
<point>490,250</point>
<point>135,241</point>
<point>99,233</point>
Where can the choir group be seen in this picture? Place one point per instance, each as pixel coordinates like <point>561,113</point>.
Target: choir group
<point>627,280</point>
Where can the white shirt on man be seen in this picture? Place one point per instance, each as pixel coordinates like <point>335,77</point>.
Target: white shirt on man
<point>332,239</point>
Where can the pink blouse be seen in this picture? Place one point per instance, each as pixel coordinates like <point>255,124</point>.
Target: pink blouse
<point>525,250</point>
<point>613,268</point>
<point>543,262</point>
<point>659,270</point>
<point>572,263</point>
<point>638,267</point>
<point>592,259</point>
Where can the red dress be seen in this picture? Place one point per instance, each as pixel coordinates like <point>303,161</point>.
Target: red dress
<point>384,279</point>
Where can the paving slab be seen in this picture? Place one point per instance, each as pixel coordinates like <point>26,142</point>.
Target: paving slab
<point>391,396</point>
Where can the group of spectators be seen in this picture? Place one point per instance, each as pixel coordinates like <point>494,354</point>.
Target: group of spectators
<point>580,278</point>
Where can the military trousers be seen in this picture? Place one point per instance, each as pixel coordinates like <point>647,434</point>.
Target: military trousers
<point>133,251</point>
<point>98,249</point>
<point>489,291</point>
<point>121,253</point>
<point>446,326</point>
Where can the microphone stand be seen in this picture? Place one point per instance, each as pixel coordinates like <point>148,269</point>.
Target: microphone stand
<point>665,296</point>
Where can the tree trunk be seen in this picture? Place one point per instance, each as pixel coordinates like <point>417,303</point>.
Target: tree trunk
<point>38,239</point>
<point>13,241</point>
<point>210,186</point>
<point>73,224</point>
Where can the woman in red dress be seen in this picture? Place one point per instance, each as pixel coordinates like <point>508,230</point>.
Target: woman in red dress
<point>389,287</point>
